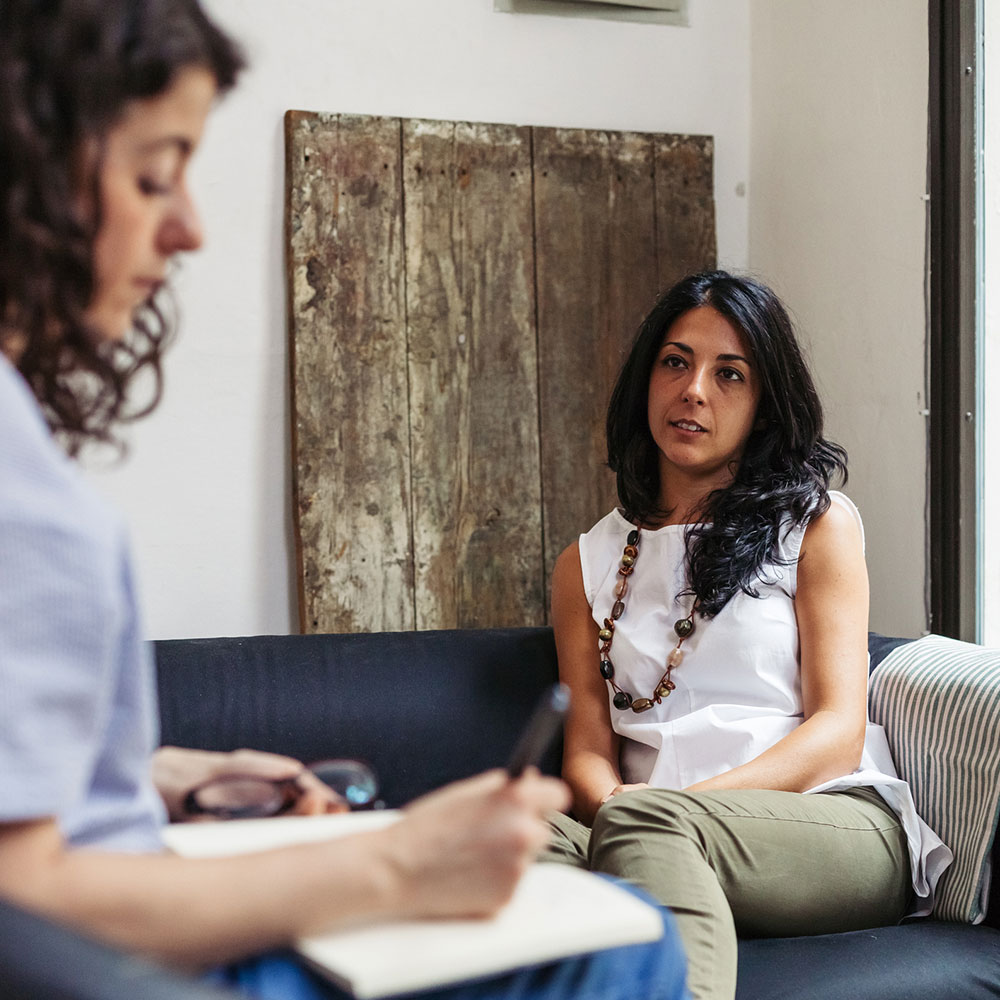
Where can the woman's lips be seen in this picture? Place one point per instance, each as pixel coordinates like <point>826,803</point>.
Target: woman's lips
<point>688,425</point>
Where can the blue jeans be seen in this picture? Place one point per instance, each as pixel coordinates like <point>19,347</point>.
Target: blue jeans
<point>654,971</point>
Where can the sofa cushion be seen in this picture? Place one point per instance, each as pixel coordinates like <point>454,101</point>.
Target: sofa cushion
<point>928,958</point>
<point>423,708</point>
<point>939,701</point>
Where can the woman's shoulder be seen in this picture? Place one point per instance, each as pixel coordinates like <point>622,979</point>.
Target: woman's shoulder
<point>844,503</point>
<point>840,524</point>
<point>613,525</point>
<point>41,489</point>
<point>839,519</point>
<point>20,416</point>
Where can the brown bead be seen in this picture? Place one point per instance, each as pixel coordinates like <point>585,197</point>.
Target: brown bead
<point>617,609</point>
<point>605,648</point>
<point>620,587</point>
<point>624,570</point>
<point>631,550</point>
<point>683,627</point>
<point>642,704</point>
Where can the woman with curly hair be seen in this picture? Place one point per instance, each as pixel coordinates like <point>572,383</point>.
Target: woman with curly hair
<point>102,105</point>
<point>713,631</point>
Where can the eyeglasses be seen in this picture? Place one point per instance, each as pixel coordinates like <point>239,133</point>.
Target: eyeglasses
<point>248,796</point>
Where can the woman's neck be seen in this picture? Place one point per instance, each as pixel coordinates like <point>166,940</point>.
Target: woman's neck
<point>685,499</point>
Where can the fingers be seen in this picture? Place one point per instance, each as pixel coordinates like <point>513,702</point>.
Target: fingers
<point>539,793</point>
<point>620,789</point>
<point>462,849</point>
<point>257,764</point>
<point>316,798</point>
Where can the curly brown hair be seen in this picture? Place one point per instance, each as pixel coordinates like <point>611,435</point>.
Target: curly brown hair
<point>68,69</point>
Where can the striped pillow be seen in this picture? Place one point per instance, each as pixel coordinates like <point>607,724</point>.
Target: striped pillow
<point>939,701</point>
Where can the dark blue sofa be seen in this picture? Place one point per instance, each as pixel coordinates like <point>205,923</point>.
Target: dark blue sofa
<point>425,708</point>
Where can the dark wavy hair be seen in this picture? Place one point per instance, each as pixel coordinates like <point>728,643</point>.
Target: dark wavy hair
<point>786,470</point>
<point>68,68</point>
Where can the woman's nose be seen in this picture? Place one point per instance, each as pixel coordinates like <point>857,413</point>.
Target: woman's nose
<point>694,391</point>
<point>181,229</point>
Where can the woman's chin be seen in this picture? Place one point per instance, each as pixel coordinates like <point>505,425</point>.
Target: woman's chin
<point>110,324</point>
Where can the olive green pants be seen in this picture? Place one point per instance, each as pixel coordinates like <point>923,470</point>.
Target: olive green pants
<point>751,862</point>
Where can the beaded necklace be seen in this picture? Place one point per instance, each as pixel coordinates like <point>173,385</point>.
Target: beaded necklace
<point>683,627</point>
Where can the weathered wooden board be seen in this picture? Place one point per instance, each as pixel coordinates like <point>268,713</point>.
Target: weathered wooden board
<point>350,413</point>
<point>597,277</point>
<point>461,297</point>
<point>473,375</point>
<point>685,206</point>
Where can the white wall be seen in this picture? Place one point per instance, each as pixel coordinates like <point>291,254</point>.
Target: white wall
<point>837,226</point>
<point>206,488</point>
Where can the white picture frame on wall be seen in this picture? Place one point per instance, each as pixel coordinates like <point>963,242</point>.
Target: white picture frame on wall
<point>671,12</point>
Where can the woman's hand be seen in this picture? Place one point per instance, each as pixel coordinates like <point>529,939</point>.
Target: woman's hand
<point>620,789</point>
<point>177,770</point>
<point>461,850</point>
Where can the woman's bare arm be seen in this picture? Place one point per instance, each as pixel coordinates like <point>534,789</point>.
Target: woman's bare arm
<point>590,755</point>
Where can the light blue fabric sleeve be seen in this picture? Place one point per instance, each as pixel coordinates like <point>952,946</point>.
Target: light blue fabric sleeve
<point>78,713</point>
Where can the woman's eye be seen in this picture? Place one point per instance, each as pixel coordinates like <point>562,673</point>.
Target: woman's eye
<point>673,361</point>
<point>150,187</point>
<point>731,374</point>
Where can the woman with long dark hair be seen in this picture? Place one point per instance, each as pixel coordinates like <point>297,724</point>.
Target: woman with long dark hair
<point>102,105</point>
<point>713,631</point>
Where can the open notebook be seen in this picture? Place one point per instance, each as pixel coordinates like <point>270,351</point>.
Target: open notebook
<point>556,911</point>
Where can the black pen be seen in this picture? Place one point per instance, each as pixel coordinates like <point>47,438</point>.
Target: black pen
<point>541,730</point>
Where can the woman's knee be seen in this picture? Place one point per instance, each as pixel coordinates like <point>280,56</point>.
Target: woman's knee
<point>646,809</point>
<point>635,828</point>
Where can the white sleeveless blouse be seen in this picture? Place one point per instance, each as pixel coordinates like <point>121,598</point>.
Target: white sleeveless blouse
<point>738,689</point>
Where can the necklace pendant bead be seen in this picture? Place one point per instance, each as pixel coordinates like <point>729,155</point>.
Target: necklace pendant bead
<point>628,560</point>
<point>605,634</point>
<point>620,587</point>
<point>622,700</point>
<point>675,657</point>
<point>617,609</point>
<point>631,550</point>
<point>642,704</point>
<point>664,688</point>
<point>683,627</point>
<point>632,538</point>
<point>607,670</point>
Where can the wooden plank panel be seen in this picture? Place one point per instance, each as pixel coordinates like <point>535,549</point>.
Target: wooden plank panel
<point>685,206</point>
<point>347,327</point>
<point>473,375</point>
<point>597,278</point>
